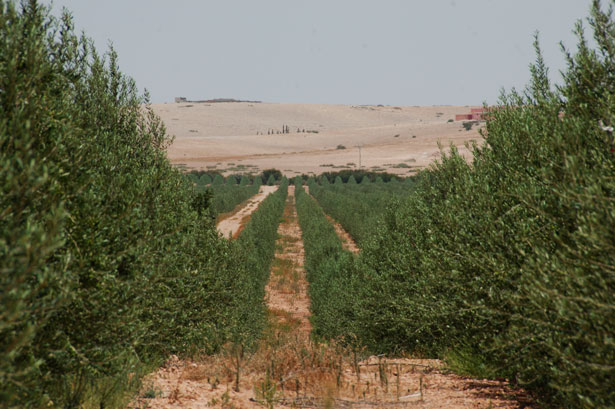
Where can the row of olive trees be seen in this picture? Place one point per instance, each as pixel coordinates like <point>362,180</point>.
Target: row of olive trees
<point>107,263</point>
<point>506,265</point>
<point>201,178</point>
<point>225,197</point>
<point>358,207</point>
<point>329,268</point>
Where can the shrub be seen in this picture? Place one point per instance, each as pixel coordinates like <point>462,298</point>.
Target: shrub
<point>268,173</point>
<point>467,125</point>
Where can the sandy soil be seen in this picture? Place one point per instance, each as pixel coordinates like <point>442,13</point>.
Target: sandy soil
<point>223,136</point>
<point>287,290</point>
<point>231,224</point>
<point>292,370</point>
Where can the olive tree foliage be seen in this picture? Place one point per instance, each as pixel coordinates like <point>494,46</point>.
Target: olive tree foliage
<point>106,265</point>
<point>506,265</point>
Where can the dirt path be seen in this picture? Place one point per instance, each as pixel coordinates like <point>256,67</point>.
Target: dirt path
<point>347,241</point>
<point>231,225</point>
<point>290,369</point>
<point>287,297</point>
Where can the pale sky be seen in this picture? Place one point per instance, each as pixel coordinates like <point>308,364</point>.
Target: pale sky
<point>391,52</point>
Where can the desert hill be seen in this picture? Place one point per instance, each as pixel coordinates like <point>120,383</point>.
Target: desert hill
<point>238,137</point>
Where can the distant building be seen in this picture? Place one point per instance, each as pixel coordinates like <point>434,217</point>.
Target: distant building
<point>180,100</point>
<point>476,114</point>
<point>463,117</point>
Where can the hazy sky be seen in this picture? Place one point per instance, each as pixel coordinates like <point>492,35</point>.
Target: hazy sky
<point>398,52</point>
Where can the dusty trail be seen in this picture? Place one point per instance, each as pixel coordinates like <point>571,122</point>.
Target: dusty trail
<point>287,296</point>
<point>347,241</point>
<point>232,224</point>
<point>290,369</point>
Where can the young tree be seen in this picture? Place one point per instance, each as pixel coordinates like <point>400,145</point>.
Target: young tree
<point>205,179</point>
<point>271,180</point>
<point>218,180</point>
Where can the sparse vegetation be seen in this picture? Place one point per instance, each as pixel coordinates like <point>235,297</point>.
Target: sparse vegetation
<point>467,125</point>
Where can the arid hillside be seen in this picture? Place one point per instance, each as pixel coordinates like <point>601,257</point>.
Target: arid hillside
<point>241,137</point>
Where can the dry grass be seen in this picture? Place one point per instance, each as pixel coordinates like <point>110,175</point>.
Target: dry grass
<point>293,370</point>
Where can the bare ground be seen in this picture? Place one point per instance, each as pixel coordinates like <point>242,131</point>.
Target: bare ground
<point>287,290</point>
<point>232,223</point>
<point>291,369</point>
<point>233,137</point>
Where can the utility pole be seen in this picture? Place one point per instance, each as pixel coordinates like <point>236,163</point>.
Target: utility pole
<point>359,146</point>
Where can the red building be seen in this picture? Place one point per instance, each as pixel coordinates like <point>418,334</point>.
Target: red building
<point>476,114</point>
<point>463,117</point>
